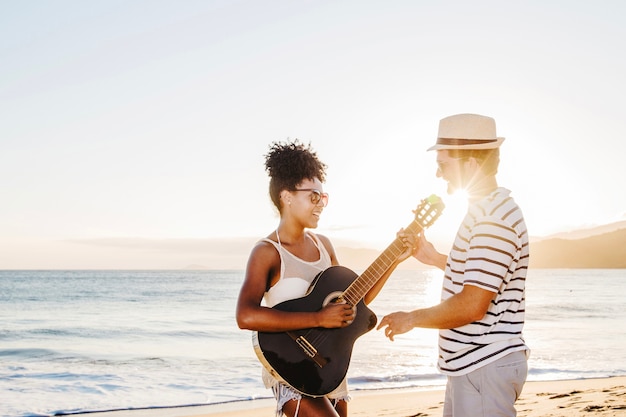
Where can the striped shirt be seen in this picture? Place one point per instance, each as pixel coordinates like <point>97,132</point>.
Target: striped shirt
<point>491,252</point>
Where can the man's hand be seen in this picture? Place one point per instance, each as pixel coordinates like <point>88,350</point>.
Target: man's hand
<point>396,323</point>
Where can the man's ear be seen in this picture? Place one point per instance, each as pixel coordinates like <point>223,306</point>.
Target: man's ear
<point>474,163</point>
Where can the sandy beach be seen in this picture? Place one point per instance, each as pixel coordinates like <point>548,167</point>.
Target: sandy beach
<point>581,397</point>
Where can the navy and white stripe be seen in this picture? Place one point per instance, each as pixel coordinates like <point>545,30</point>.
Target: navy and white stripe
<point>490,251</point>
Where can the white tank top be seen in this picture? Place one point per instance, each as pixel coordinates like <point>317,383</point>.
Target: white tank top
<point>296,275</point>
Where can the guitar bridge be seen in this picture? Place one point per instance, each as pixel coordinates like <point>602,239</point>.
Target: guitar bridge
<point>310,351</point>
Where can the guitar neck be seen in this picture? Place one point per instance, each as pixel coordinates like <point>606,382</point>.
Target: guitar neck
<point>364,282</point>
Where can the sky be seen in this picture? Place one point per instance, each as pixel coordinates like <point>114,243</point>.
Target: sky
<point>133,133</point>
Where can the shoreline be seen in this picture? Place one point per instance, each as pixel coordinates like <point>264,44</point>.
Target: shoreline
<point>602,396</point>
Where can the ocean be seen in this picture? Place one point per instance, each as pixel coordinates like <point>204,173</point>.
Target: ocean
<point>74,342</point>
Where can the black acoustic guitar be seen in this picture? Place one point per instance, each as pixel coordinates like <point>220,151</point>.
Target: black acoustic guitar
<point>315,361</point>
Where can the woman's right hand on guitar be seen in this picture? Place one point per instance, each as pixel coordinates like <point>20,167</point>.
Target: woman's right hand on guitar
<point>336,315</point>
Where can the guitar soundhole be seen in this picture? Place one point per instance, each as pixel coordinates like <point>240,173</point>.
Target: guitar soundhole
<point>334,297</point>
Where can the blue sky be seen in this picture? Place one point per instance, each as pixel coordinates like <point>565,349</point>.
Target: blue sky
<point>147,121</point>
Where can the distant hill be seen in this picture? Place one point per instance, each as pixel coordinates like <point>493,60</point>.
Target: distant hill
<point>607,250</point>
<point>599,247</point>
<point>588,232</point>
<point>357,259</point>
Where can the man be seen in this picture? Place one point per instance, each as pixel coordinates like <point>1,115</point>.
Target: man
<point>481,314</point>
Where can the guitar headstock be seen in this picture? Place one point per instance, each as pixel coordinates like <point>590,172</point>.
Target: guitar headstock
<point>428,211</point>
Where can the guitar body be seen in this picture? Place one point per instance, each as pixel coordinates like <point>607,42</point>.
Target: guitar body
<point>317,362</point>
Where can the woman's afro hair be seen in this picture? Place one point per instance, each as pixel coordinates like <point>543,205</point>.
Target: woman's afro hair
<point>290,163</point>
<point>294,160</point>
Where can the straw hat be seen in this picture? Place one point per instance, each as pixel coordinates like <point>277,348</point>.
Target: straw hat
<point>467,131</point>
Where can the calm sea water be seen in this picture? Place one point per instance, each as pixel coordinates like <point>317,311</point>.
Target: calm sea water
<point>79,341</point>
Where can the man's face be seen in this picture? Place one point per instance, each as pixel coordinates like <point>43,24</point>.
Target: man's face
<point>453,170</point>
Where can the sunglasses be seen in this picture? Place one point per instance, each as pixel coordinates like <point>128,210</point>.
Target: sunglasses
<point>316,196</point>
<point>442,165</point>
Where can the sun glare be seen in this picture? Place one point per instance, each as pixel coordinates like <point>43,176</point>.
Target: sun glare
<point>456,204</point>
<point>460,194</point>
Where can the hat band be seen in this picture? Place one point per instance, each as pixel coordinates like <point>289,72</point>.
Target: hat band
<point>461,142</point>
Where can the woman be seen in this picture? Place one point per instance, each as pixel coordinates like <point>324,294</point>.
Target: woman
<point>282,266</point>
